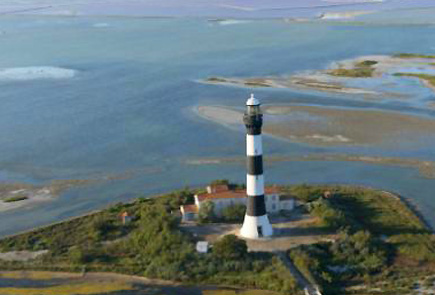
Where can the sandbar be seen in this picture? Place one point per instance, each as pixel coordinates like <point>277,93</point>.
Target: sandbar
<point>328,126</point>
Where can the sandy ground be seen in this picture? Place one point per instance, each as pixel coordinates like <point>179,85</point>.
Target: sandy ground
<point>300,229</point>
<point>331,126</point>
<point>21,255</point>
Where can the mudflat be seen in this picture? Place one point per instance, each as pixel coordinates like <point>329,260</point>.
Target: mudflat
<point>318,125</point>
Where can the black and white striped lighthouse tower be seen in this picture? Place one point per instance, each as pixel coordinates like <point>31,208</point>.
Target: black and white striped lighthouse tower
<point>256,223</point>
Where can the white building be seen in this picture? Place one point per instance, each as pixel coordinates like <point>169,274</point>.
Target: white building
<point>223,197</point>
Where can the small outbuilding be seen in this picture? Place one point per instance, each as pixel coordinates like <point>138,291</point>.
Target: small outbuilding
<point>125,218</point>
<point>202,247</point>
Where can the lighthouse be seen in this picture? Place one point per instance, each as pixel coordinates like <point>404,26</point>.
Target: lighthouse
<point>256,223</point>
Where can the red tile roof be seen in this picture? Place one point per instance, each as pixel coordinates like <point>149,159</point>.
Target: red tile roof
<point>218,188</point>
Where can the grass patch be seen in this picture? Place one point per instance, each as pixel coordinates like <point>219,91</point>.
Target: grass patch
<point>237,292</point>
<point>15,199</point>
<point>34,275</point>
<point>216,80</point>
<point>412,55</point>
<point>420,247</point>
<point>367,63</point>
<point>363,69</point>
<point>426,77</point>
<point>70,289</point>
<point>363,72</point>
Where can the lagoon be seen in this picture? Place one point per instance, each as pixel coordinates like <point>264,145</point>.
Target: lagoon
<point>126,114</point>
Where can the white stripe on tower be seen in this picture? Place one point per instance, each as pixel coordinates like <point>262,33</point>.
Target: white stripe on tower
<point>254,146</point>
<point>255,185</point>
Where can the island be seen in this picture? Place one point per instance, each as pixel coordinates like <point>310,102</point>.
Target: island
<point>17,195</point>
<point>366,241</point>
<point>387,70</point>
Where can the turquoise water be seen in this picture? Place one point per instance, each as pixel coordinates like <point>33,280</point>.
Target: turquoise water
<point>128,108</point>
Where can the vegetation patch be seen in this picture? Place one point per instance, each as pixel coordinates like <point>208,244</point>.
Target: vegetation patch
<point>367,63</point>
<point>426,77</point>
<point>151,245</point>
<point>363,69</point>
<point>381,239</point>
<point>15,199</point>
<point>413,55</point>
<point>258,83</point>
<point>237,292</point>
<point>33,275</point>
<point>380,242</point>
<point>216,80</point>
<point>70,289</point>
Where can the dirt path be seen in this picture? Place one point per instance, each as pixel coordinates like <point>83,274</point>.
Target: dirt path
<point>304,283</point>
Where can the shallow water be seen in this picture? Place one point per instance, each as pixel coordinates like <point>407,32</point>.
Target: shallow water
<point>128,108</point>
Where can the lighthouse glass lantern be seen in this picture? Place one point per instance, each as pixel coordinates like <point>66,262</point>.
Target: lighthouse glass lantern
<point>253,110</point>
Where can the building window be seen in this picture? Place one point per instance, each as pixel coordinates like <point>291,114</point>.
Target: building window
<point>273,207</point>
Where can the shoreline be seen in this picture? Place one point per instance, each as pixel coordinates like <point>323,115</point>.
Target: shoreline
<point>406,201</point>
<point>375,213</point>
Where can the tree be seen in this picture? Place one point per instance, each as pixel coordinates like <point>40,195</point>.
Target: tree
<point>220,182</point>
<point>206,212</point>
<point>76,255</point>
<point>234,213</point>
<point>230,247</point>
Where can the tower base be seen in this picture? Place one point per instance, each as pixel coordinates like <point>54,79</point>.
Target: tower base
<point>255,227</point>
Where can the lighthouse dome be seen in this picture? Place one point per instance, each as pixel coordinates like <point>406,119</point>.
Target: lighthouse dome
<point>252,101</point>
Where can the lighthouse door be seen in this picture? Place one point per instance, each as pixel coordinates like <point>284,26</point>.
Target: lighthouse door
<point>260,231</point>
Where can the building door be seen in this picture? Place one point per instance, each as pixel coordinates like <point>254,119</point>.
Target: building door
<point>260,231</point>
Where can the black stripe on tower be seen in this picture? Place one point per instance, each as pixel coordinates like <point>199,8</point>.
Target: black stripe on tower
<point>256,206</point>
<point>254,165</point>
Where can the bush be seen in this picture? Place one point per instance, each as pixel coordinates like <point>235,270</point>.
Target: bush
<point>331,217</point>
<point>416,246</point>
<point>230,247</point>
<point>234,213</point>
<point>206,212</point>
<point>220,182</point>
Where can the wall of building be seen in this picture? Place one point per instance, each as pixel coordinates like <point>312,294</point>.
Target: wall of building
<point>273,203</point>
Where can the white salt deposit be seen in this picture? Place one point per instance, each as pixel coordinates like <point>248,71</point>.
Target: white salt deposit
<point>101,25</point>
<point>33,73</point>
<point>228,22</point>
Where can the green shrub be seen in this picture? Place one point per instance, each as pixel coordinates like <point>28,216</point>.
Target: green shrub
<point>206,212</point>
<point>15,199</point>
<point>230,247</point>
<point>234,213</point>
